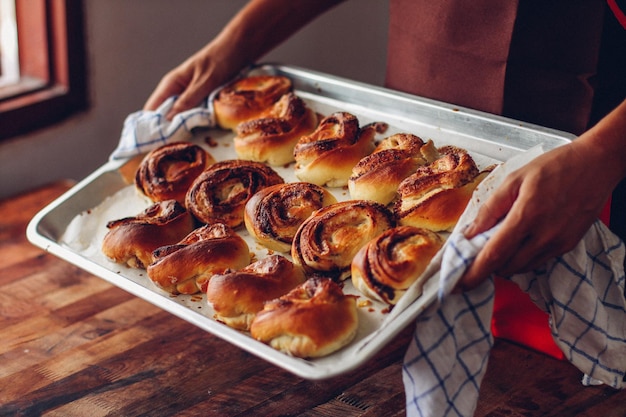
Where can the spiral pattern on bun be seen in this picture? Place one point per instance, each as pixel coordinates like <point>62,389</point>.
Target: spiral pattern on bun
<point>246,98</point>
<point>326,242</point>
<point>377,176</point>
<point>221,192</point>
<point>315,319</point>
<point>131,240</point>
<point>273,215</point>
<point>436,195</point>
<point>272,137</point>
<point>167,172</point>
<point>237,296</point>
<point>389,264</point>
<point>326,156</point>
<point>187,267</point>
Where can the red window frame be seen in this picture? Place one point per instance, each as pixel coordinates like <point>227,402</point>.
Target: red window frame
<point>52,83</point>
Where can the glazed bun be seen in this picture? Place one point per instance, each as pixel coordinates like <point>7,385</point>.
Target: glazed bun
<point>326,242</point>
<point>167,172</point>
<point>313,320</point>
<point>237,296</point>
<point>377,176</point>
<point>389,264</point>
<point>131,240</point>
<point>436,195</point>
<point>326,156</point>
<point>273,215</point>
<point>246,98</point>
<point>221,192</point>
<point>272,137</point>
<point>186,267</point>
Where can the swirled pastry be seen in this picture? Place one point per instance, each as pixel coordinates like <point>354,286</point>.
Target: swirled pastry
<point>272,137</point>
<point>273,215</point>
<point>313,320</point>
<point>167,172</point>
<point>327,241</point>
<point>186,267</point>
<point>436,195</point>
<point>221,192</point>
<point>131,240</point>
<point>377,176</point>
<point>237,296</point>
<point>326,156</point>
<point>246,98</point>
<point>389,264</point>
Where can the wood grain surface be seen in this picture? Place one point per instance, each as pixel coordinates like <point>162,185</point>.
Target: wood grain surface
<point>74,345</point>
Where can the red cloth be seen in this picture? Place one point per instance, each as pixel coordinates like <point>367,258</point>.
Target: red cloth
<point>517,318</point>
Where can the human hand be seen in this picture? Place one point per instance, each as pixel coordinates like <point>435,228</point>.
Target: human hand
<point>192,81</point>
<point>545,207</point>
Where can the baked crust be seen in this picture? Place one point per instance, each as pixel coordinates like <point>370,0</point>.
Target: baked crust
<point>389,264</point>
<point>186,267</point>
<point>246,98</point>
<point>377,176</point>
<point>326,242</point>
<point>167,172</point>
<point>326,156</point>
<point>221,192</point>
<point>271,138</point>
<point>273,215</point>
<point>436,195</point>
<point>313,320</point>
<point>237,296</point>
<point>131,240</point>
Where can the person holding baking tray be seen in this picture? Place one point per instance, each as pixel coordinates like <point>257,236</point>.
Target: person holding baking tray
<point>546,63</point>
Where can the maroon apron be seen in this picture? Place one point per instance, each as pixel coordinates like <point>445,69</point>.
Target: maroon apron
<point>531,60</point>
<point>504,57</point>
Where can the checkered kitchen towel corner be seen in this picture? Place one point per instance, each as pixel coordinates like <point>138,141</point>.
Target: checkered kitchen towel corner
<point>146,130</point>
<point>582,290</point>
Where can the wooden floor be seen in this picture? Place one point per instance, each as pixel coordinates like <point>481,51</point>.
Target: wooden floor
<point>73,345</point>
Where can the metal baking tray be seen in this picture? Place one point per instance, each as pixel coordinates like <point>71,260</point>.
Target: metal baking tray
<point>71,227</point>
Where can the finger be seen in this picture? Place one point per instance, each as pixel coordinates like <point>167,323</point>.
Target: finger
<point>189,99</point>
<point>498,250</point>
<point>159,95</point>
<point>492,210</point>
<point>486,263</point>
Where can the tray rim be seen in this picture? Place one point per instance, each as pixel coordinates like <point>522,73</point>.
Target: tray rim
<point>308,369</point>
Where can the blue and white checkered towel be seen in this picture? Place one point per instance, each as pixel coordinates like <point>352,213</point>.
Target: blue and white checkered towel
<point>582,290</point>
<point>147,130</point>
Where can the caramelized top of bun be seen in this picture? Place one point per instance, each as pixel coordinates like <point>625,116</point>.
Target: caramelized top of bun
<point>246,98</point>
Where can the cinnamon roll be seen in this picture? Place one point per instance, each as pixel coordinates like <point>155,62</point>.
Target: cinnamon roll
<point>326,156</point>
<point>246,98</point>
<point>221,192</point>
<point>327,241</point>
<point>272,137</point>
<point>377,176</point>
<point>389,264</point>
<point>273,215</point>
<point>131,240</point>
<point>435,196</point>
<point>237,296</point>
<point>315,319</point>
<point>187,266</point>
<point>167,172</point>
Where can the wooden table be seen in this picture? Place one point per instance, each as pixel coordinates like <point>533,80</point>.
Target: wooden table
<point>74,345</point>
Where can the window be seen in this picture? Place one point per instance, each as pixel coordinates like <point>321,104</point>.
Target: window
<point>9,60</point>
<point>42,74</point>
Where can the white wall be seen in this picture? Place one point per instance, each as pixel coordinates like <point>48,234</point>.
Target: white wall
<point>131,44</point>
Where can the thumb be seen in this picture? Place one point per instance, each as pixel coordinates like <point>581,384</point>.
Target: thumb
<point>492,210</point>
